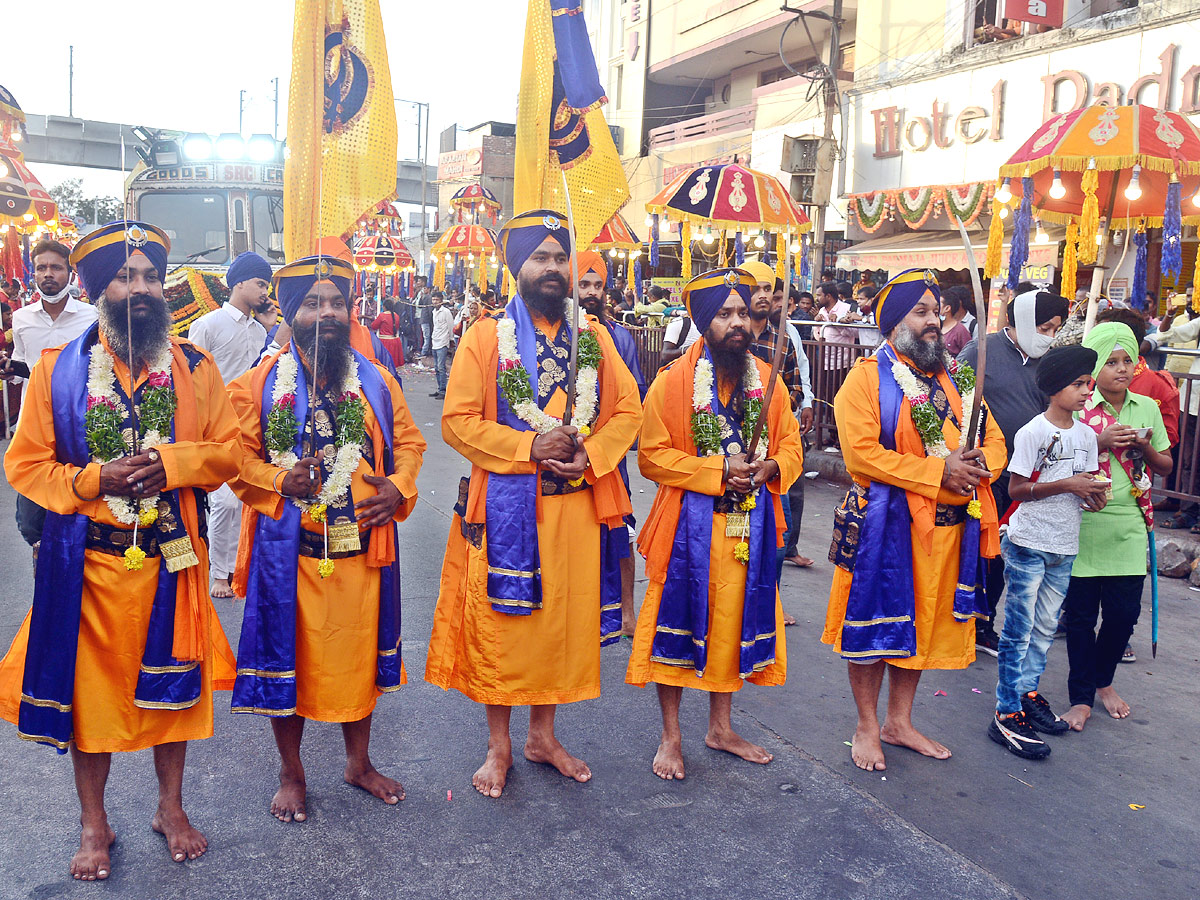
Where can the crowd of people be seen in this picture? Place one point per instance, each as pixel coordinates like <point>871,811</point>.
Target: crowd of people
<point>271,455</point>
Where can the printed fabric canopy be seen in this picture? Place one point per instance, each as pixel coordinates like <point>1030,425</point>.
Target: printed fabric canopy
<point>730,197</point>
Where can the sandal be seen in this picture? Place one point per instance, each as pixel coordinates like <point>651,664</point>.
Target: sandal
<point>1179,520</point>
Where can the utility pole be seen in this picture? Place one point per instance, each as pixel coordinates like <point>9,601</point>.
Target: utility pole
<point>832,103</point>
<point>241,108</point>
<point>71,83</point>
<point>275,128</point>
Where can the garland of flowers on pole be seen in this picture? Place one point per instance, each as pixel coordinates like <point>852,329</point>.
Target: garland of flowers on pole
<point>350,436</point>
<point>104,430</point>
<point>706,429</point>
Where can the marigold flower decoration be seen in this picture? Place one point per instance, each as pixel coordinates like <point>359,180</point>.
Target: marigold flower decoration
<point>135,556</point>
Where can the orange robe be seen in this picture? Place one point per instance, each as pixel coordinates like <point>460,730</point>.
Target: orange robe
<point>552,655</point>
<point>115,610</point>
<point>942,641</point>
<point>667,455</point>
<point>337,618</point>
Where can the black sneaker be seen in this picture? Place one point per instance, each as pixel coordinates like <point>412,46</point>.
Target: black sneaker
<point>1016,735</point>
<point>1040,716</point>
<point>987,642</point>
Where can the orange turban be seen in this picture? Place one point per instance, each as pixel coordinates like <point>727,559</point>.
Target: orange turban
<point>591,261</point>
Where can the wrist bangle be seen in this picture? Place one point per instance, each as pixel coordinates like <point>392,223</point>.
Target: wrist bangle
<point>724,468</point>
<point>275,481</point>
<point>75,491</point>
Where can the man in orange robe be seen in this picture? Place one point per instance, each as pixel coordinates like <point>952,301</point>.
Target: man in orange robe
<point>909,537</point>
<point>531,582</point>
<point>121,650</point>
<point>711,618</point>
<point>318,565</point>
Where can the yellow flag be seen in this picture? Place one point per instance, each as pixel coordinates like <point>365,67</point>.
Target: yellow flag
<point>341,138</point>
<point>560,128</point>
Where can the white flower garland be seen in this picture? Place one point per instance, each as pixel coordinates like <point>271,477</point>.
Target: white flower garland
<point>334,491</point>
<point>102,386</point>
<point>916,394</point>
<point>702,392</point>
<point>587,384</point>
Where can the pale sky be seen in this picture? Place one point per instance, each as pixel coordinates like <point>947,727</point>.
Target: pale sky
<point>181,66</point>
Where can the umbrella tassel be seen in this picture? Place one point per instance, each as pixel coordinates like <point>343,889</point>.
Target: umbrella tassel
<point>1070,262</point>
<point>1089,221</point>
<point>739,249</point>
<point>781,250</point>
<point>1138,295</point>
<point>995,247</point>
<point>804,264</point>
<point>637,279</point>
<point>654,240</point>
<point>1018,251</point>
<point>1172,251</point>
<point>685,246</point>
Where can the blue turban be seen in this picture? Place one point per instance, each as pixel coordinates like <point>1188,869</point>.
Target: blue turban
<point>705,294</point>
<point>523,234</point>
<point>897,298</point>
<point>247,266</point>
<point>102,254</point>
<point>294,280</point>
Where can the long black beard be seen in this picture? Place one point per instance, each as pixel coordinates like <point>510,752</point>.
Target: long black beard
<point>729,359</point>
<point>333,360</point>
<point>927,355</point>
<point>547,296</point>
<point>150,330</point>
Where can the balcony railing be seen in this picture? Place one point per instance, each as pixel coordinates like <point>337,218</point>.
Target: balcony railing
<point>727,121</point>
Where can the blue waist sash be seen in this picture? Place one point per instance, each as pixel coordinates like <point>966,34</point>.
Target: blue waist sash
<point>681,635</point>
<point>266,662</point>
<point>48,685</point>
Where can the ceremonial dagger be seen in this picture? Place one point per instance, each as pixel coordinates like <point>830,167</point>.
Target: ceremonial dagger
<point>776,361</point>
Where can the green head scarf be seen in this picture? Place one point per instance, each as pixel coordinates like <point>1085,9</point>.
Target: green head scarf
<point>1105,338</point>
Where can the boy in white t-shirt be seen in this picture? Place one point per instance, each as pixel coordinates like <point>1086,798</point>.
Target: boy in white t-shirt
<point>1051,480</point>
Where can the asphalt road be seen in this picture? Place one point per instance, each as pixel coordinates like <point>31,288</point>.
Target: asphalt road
<point>810,825</point>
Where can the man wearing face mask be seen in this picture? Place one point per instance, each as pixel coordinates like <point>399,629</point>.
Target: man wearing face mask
<point>1014,399</point>
<point>58,318</point>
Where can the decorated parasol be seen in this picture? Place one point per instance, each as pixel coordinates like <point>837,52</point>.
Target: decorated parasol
<point>724,198</point>
<point>464,244</point>
<point>616,235</point>
<point>1095,170</point>
<point>12,119</point>
<point>472,199</point>
<point>382,253</point>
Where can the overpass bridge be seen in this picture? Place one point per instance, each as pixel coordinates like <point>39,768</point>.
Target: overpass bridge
<point>64,141</point>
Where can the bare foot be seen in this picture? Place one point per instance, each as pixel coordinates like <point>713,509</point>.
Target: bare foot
<point>802,562</point>
<point>371,780</point>
<point>732,742</point>
<point>912,739</point>
<point>489,779</point>
<point>1117,708</point>
<point>788,619</point>
<point>91,862</point>
<point>183,841</point>
<point>866,750</point>
<point>221,589</point>
<point>1077,716</point>
<point>552,753</point>
<point>668,761</point>
<point>288,803</point>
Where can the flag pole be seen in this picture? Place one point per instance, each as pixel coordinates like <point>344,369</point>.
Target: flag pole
<point>573,361</point>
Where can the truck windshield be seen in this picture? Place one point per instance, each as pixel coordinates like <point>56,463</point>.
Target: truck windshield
<point>198,224</point>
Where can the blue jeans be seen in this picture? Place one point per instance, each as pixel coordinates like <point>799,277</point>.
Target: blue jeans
<point>1037,584</point>
<point>427,339</point>
<point>440,355</point>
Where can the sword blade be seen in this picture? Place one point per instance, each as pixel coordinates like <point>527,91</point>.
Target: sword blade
<point>981,340</point>
<point>573,360</point>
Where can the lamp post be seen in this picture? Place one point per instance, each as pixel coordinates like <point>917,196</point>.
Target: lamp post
<point>423,157</point>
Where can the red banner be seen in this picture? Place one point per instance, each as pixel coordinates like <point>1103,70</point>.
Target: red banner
<point>1037,12</point>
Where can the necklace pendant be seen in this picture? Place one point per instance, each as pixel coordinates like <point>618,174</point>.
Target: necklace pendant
<point>737,524</point>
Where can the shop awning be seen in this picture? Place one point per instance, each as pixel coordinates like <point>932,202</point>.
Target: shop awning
<point>937,250</point>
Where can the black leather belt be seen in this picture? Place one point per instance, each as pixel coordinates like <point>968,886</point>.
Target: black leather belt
<point>312,545</point>
<point>115,541</point>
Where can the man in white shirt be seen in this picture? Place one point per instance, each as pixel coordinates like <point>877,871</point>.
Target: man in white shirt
<point>56,318</point>
<point>443,330</point>
<point>235,338</point>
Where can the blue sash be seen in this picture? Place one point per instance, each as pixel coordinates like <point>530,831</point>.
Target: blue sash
<point>48,686</point>
<point>266,663</point>
<point>514,578</point>
<point>881,607</point>
<point>681,636</point>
